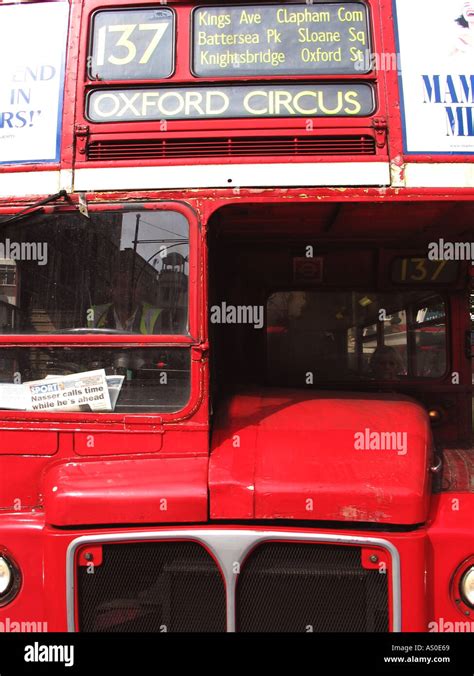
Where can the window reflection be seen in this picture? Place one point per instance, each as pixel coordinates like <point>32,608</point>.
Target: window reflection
<point>123,272</point>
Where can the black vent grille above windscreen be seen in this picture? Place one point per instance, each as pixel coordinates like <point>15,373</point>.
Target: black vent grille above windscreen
<point>273,146</point>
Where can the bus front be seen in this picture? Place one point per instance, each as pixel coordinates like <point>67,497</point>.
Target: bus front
<point>235,355</point>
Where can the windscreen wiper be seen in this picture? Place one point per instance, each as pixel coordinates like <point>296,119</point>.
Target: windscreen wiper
<point>35,208</point>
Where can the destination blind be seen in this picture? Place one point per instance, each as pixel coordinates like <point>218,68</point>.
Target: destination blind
<point>315,39</point>
<point>239,101</point>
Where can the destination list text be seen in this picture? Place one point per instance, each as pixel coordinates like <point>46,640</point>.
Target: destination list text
<point>283,40</point>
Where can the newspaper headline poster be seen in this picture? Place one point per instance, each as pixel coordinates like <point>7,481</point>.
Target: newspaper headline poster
<point>32,56</point>
<point>85,391</point>
<point>436,47</point>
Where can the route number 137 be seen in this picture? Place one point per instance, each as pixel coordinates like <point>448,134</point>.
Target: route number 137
<point>127,39</point>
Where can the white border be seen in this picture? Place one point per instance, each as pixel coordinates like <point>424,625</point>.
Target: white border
<point>300,174</point>
<point>40,183</point>
<point>446,175</point>
<point>21,184</point>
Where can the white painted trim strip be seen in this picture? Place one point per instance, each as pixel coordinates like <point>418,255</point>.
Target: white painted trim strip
<point>439,175</point>
<point>333,174</point>
<point>66,179</point>
<point>234,175</point>
<point>25,183</point>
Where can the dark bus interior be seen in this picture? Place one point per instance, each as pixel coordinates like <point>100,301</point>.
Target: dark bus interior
<point>351,302</point>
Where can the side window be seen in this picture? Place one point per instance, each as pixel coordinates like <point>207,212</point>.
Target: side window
<point>395,336</point>
<point>369,345</point>
<point>430,340</point>
<point>352,351</point>
<point>330,336</point>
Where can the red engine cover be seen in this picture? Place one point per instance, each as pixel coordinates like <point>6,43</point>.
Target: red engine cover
<point>321,456</point>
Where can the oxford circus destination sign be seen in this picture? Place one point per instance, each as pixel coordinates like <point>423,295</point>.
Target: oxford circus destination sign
<point>240,101</point>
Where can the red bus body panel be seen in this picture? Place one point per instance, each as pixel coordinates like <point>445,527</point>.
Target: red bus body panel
<point>126,491</point>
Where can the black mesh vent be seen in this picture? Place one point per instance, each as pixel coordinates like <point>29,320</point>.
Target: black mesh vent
<point>152,587</point>
<point>297,587</point>
<point>258,146</point>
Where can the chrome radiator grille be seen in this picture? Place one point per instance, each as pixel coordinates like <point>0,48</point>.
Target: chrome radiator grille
<point>152,587</point>
<point>211,580</point>
<point>309,587</point>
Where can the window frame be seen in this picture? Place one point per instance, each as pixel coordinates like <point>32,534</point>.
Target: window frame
<point>190,341</point>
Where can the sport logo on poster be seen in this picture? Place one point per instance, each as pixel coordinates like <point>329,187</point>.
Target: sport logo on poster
<point>437,74</point>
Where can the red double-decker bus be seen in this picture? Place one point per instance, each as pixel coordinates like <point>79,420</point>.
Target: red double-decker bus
<point>235,351</point>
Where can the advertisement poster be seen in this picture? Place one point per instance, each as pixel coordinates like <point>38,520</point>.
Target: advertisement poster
<point>436,46</point>
<point>32,56</point>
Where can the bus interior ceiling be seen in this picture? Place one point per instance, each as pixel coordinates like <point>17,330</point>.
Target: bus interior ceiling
<point>258,254</point>
<point>374,221</point>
